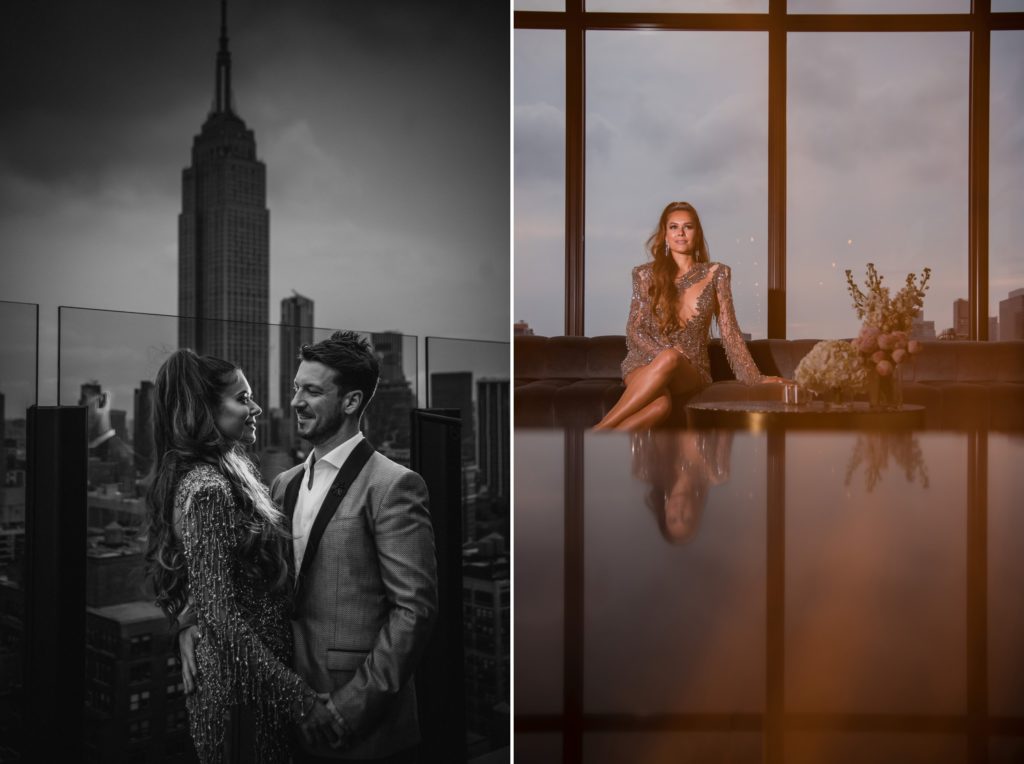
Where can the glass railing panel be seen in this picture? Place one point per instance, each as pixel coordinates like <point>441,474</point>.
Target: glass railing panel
<point>470,379</point>
<point>19,362</point>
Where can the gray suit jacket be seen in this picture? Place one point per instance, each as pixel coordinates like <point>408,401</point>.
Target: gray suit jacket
<point>366,603</point>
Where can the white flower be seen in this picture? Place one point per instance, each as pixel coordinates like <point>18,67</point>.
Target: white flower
<point>832,364</point>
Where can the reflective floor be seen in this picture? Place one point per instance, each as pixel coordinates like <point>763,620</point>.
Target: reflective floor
<point>780,597</point>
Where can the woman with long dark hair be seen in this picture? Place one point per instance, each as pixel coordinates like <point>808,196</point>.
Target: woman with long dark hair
<point>674,299</point>
<point>217,544</point>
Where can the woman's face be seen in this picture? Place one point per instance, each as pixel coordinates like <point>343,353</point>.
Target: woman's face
<point>237,412</point>
<point>681,232</point>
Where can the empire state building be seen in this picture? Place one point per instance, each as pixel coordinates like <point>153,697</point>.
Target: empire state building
<point>224,239</point>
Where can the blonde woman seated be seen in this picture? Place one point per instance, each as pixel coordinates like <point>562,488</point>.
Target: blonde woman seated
<point>669,327</point>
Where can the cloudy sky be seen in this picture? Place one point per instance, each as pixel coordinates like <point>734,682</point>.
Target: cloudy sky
<point>384,128</point>
<point>877,145</point>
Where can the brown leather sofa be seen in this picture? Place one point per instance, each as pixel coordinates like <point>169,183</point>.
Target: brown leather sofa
<point>573,381</point>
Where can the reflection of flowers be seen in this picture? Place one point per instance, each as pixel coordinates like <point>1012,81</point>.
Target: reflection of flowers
<point>831,365</point>
<point>874,450</point>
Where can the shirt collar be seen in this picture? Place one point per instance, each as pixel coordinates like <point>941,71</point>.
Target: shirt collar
<point>337,456</point>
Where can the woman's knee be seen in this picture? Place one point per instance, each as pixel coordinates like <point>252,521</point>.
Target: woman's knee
<point>667,361</point>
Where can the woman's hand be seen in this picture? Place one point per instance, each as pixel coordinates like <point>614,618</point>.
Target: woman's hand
<point>781,380</point>
<point>187,639</point>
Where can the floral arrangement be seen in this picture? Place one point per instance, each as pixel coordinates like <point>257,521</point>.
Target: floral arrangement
<point>874,451</point>
<point>884,339</point>
<point>832,365</point>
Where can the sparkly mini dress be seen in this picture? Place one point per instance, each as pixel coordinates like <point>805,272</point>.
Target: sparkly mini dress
<point>706,286</point>
<point>246,695</point>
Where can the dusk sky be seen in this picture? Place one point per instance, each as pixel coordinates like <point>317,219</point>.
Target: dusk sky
<point>877,140</point>
<point>383,126</point>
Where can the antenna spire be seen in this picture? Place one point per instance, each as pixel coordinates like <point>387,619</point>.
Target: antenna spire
<point>222,98</point>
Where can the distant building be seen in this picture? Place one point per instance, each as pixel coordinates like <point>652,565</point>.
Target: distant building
<point>1011,316</point>
<point>493,419</point>
<point>993,328</point>
<point>134,697</point>
<point>387,346</point>
<point>521,329</point>
<point>143,426</point>
<point>454,390</point>
<point>296,331</point>
<point>961,319</point>
<point>115,568</point>
<point>224,240</point>
<point>486,608</point>
<point>119,421</point>
<point>921,329</point>
<point>12,520</point>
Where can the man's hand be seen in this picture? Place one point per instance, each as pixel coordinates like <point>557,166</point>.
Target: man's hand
<point>187,639</point>
<point>321,727</point>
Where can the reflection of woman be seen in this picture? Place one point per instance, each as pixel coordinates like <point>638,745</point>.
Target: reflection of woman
<point>681,466</point>
<point>216,542</point>
<point>674,298</point>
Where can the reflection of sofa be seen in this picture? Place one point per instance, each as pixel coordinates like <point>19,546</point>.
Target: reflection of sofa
<point>574,380</point>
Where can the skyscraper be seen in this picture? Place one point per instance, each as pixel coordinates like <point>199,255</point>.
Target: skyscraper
<point>296,331</point>
<point>961,319</point>
<point>493,444</point>
<point>224,239</point>
<point>454,390</point>
<point>142,439</point>
<point>388,348</point>
<point>1011,316</point>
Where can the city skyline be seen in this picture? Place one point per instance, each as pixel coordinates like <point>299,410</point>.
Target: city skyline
<point>356,108</point>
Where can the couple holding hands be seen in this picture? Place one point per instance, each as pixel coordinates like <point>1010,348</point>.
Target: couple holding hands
<point>304,608</point>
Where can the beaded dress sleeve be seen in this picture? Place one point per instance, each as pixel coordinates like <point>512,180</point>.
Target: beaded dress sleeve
<point>227,608</point>
<point>742,364</point>
<point>640,328</point>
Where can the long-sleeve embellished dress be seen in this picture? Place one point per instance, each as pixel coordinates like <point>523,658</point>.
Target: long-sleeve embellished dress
<point>705,288</point>
<point>246,692</point>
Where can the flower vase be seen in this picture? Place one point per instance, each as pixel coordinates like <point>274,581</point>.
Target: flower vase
<point>834,398</point>
<point>885,392</point>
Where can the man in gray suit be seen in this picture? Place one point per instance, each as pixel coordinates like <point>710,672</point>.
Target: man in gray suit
<point>366,580</point>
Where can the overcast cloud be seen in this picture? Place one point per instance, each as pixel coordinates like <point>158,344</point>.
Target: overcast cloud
<point>384,128</point>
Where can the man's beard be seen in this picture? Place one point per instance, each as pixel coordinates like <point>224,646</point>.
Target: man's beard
<point>325,429</point>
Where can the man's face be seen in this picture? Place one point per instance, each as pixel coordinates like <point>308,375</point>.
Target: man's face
<point>318,403</point>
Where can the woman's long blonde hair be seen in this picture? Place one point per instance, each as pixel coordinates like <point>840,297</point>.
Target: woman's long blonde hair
<point>663,289</point>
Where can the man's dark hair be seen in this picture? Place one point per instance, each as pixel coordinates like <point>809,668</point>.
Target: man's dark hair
<point>352,359</point>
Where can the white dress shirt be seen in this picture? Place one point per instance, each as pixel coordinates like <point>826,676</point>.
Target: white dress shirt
<point>309,500</point>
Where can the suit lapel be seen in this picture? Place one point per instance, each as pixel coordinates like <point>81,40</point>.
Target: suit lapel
<point>291,495</point>
<point>348,473</point>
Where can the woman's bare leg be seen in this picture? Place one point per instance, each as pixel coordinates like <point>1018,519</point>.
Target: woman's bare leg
<point>668,370</point>
<point>649,415</point>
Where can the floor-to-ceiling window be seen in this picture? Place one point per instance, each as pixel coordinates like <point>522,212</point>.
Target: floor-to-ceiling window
<point>813,135</point>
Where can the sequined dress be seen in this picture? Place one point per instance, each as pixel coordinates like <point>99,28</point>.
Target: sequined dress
<point>706,286</point>
<point>244,656</point>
